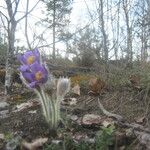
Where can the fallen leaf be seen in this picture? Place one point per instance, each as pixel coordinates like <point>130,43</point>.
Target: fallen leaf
<point>32,111</point>
<point>69,101</point>
<point>108,122</point>
<point>141,120</point>
<point>73,101</point>
<point>74,117</point>
<point>26,105</point>
<point>135,81</point>
<point>35,144</point>
<point>80,136</point>
<point>76,89</point>
<point>92,119</point>
<point>122,148</point>
<point>96,85</point>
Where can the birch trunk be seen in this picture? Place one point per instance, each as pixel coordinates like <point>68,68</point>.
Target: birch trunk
<point>54,24</point>
<point>10,51</point>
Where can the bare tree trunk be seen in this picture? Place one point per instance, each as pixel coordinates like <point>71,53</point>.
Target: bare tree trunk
<point>102,24</point>
<point>118,31</point>
<point>26,26</point>
<point>143,41</point>
<point>54,35</point>
<point>10,51</point>
<point>129,32</point>
<point>11,28</point>
<point>103,30</point>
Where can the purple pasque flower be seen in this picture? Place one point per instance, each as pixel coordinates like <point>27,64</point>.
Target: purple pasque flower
<point>36,75</point>
<point>29,57</point>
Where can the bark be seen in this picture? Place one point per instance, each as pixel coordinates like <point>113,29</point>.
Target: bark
<point>129,32</point>
<point>54,24</point>
<point>10,51</point>
<point>103,30</point>
<point>102,25</point>
<point>11,28</point>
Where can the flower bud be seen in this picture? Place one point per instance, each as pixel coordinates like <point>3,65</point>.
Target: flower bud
<point>63,86</point>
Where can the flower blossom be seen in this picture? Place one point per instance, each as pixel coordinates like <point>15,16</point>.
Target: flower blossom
<point>32,70</point>
<point>28,59</point>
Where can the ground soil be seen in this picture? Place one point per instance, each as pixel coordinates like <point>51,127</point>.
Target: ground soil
<point>126,101</point>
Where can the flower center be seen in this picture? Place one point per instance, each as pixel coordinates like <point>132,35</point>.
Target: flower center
<point>30,60</point>
<point>38,75</point>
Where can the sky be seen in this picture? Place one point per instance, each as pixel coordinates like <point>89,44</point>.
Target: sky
<point>78,17</point>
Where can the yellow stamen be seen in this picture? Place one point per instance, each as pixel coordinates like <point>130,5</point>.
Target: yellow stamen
<point>30,60</point>
<point>38,75</point>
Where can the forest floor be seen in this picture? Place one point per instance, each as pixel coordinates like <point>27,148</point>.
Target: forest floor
<point>85,125</point>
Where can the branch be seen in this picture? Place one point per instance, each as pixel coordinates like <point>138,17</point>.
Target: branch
<point>26,30</point>
<point>17,4</point>
<point>4,23</point>
<point>107,113</point>
<point>121,121</point>
<point>28,12</point>
<point>4,16</point>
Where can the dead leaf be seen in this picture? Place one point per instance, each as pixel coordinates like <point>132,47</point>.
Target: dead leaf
<point>135,81</point>
<point>91,119</point>
<point>108,122</point>
<point>73,101</point>
<point>35,144</point>
<point>74,117</point>
<point>141,120</point>
<point>69,101</point>
<point>32,111</point>
<point>26,105</point>
<point>76,89</point>
<point>80,136</point>
<point>96,85</point>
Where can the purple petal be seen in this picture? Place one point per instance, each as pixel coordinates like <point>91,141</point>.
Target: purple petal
<point>24,68</point>
<point>36,54</point>
<point>35,67</point>
<point>21,59</point>
<point>44,69</point>
<point>32,84</point>
<point>28,54</point>
<point>28,76</point>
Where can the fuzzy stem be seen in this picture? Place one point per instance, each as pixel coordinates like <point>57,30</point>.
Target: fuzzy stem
<point>51,108</point>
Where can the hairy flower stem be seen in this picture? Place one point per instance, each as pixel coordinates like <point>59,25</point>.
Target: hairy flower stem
<point>50,107</point>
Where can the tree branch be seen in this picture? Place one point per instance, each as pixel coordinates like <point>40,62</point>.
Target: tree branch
<point>3,22</point>
<point>28,12</point>
<point>17,4</point>
<point>121,121</point>
<point>4,16</point>
<point>26,25</point>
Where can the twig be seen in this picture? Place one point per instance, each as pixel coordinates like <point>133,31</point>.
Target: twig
<point>107,113</point>
<point>121,121</point>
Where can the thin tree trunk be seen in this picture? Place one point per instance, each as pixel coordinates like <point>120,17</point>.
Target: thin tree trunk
<point>103,31</point>
<point>129,32</point>
<point>105,48</point>
<point>10,51</point>
<point>54,35</point>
